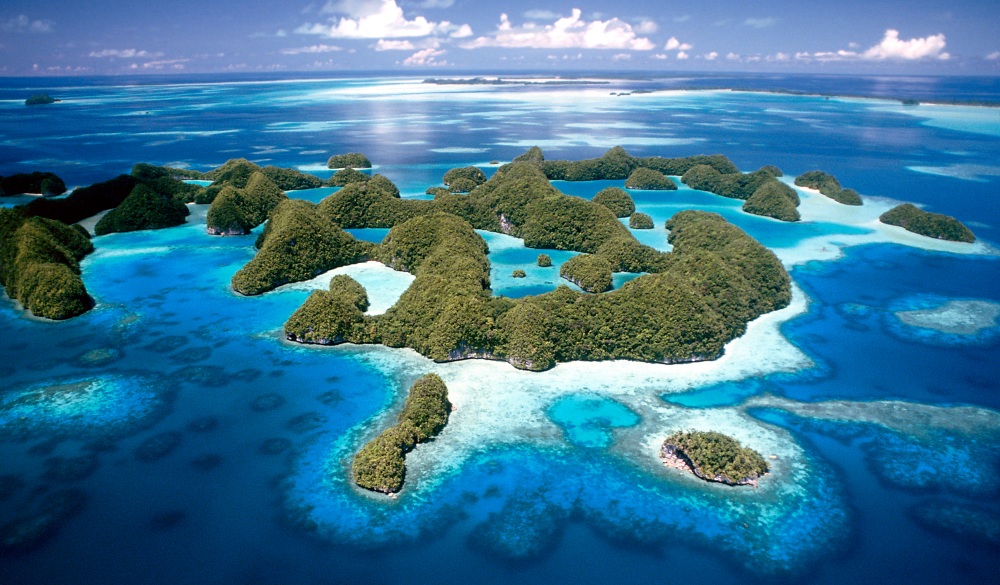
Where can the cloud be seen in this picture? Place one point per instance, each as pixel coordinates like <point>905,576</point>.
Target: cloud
<point>732,56</point>
<point>622,57</point>
<point>760,22</point>
<point>436,3</point>
<point>661,56</point>
<point>311,50</point>
<point>384,45</point>
<point>674,45</point>
<point>571,32</point>
<point>541,15</point>
<point>22,24</point>
<point>995,55</point>
<point>425,58</point>
<point>123,54</point>
<point>682,55</point>
<point>891,48</point>
<point>646,27</point>
<point>376,19</point>
<point>175,64</point>
<point>711,56</point>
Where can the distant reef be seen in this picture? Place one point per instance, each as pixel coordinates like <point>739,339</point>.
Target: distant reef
<point>933,225</point>
<point>713,457</point>
<point>690,304</point>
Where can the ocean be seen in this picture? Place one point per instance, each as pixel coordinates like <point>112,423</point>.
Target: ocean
<point>171,435</point>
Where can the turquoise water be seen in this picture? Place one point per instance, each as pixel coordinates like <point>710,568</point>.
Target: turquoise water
<point>172,433</point>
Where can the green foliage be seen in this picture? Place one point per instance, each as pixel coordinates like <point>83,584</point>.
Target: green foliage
<point>40,99</point>
<point>47,184</point>
<point>298,243</point>
<point>518,273</point>
<point>85,201</point>
<point>236,211</point>
<point>590,272</point>
<point>732,185</point>
<point>143,209</point>
<point>925,223</point>
<point>617,200</point>
<point>235,172</point>
<point>648,179</point>
<point>39,265</point>
<point>828,185</point>
<point>346,176</point>
<point>291,179</point>
<point>717,457</point>
<point>569,223</point>
<point>534,155</point>
<point>774,199</point>
<point>331,317</point>
<point>640,221</point>
<point>381,464</point>
<point>354,160</point>
<point>617,164</point>
<point>463,180</point>
<point>207,195</point>
<point>168,181</point>
<point>544,260</point>
<point>383,184</point>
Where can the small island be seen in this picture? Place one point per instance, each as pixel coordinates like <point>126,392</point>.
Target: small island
<point>828,185</point>
<point>463,180</point>
<point>40,99</point>
<point>933,225</point>
<point>617,200</point>
<point>350,160</point>
<point>43,183</point>
<point>645,179</point>
<point>640,221</point>
<point>380,465</point>
<point>713,457</point>
<point>544,261</point>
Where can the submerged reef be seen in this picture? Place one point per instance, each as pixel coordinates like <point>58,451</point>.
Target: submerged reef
<point>713,457</point>
<point>933,225</point>
<point>828,185</point>
<point>381,464</point>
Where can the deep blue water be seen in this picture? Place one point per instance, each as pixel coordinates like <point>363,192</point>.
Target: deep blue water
<point>253,490</point>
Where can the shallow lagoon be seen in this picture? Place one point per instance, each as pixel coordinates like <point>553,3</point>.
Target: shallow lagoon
<point>254,434</point>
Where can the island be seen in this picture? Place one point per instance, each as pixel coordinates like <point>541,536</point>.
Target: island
<point>828,185</point>
<point>40,99</point>
<point>933,225</point>
<point>713,457</point>
<point>143,209</point>
<point>43,183</point>
<point>590,272</point>
<point>617,200</point>
<point>350,160</point>
<point>236,210</point>
<point>463,180</point>
<point>640,221</point>
<point>519,273</point>
<point>649,180</point>
<point>380,465</point>
<point>544,261</point>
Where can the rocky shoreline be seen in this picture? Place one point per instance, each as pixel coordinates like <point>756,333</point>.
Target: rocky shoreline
<point>673,456</point>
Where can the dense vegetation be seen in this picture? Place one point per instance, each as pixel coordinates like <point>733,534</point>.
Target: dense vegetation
<point>297,244</point>
<point>617,164</point>
<point>518,273</point>
<point>354,160</point>
<point>346,176</point>
<point>381,464</point>
<point>143,209</point>
<point>617,200</point>
<point>544,260</point>
<point>291,179</point>
<point>774,199</point>
<point>589,272</point>
<point>925,223</point>
<point>649,179</point>
<point>237,210</point>
<point>40,99</point>
<point>828,185</point>
<point>464,179</point>
<point>40,264</point>
<point>640,221</point>
<point>47,184</point>
<point>716,457</point>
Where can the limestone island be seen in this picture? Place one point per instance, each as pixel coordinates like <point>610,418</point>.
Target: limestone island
<point>933,225</point>
<point>350,160</point>
<point>713,457</point>
<point>828,185</point>
<point>40,99</point>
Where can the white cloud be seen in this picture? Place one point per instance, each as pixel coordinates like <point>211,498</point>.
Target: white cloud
<point>892,47</point>
<point>674,45</point>
<point>571,32</point>
<point>311,50</point>
<point>711,56</point>
<point>995,55</point>
<point>376,19</point>
<point>621,57</point>
<point>175,64</point>
<point>733,56</point>
<point>22,24</point>
<point>661,57</point>
<point>384,45</point>
<point>436,3</point>
<point>462,32</point>
<point>761,22</point>
<point>541,15</point>
<point>646,27</point>
<point>123,54</point>
<point>425,58</point>
<point>682,55</point>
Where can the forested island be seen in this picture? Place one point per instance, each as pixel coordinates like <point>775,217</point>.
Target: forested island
<point>933,225</point>
<point>828,185</point>
<point>40,99</point>
<point>380,465</point>
<point>42,183</point>
<point>713,457</point>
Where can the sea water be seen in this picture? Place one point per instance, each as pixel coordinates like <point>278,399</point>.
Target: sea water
<point>171,434</point>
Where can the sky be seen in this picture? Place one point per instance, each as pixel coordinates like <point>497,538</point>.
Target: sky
<point>126,37</point>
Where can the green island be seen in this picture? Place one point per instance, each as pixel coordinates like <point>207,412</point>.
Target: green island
<point>380,465</point>
<point>713,457</point>
<point>40,264</point>
<point>237,210</point>
<point>40,99</point>
<point>143,209</point>
<point>463,180</point>
<point>760,190</point>
<point>828,185</point>
<point>640,221</point>
<point>933,225</point>
<point>350,160</point>
<point>617,200</point>
<point>346,176</point>
<point>704,292</point>
<point>47,184</point>
<point>518,273</point>
<point>649,180</point>
<point>544,261</point>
